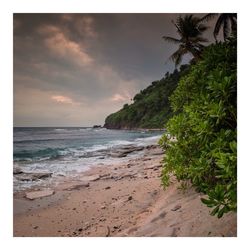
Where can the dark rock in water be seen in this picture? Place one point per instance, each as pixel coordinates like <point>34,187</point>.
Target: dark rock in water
<point>17,171</point>
<point>97,126</point>
<point>131,149</point>
<point>118,154</point>
<point>32,176</point>
<point>125,150</point>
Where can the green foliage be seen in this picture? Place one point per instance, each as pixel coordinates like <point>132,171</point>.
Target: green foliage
<point>205,149</point>
<point>151,107</point>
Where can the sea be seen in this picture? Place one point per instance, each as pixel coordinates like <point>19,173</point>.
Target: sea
<point>68,151</point>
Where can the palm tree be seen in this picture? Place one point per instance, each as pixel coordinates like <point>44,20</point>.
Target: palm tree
<point>223,21</point>
<point>190,30</point>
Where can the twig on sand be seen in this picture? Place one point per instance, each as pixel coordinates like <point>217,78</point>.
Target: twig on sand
<point>108,233</point>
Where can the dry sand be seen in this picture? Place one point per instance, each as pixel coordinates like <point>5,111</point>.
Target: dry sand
<point>124,199</point>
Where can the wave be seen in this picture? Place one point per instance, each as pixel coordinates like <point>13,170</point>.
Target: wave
<point>151,138</point>
<point>60,129</point>
<point>42,154</point>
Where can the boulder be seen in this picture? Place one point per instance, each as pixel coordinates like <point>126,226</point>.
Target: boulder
<point>39,194</point>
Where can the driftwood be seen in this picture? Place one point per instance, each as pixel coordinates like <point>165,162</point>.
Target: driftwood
<point>108,233</point>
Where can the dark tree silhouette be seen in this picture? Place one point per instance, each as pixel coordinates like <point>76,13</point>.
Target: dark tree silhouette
<point>190,30</point>
<point>227,21</point>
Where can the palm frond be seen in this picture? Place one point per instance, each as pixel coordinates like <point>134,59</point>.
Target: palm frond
<point>199,39</point>
<point>208,17</point>
<point>218,25</point>
<point>171,40</point>
<point>177,56</point>
<point>202,28</point>
<point>226,29</point>
<point>233,19</point>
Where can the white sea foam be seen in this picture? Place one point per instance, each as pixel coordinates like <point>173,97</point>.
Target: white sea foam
<point>67,151</point>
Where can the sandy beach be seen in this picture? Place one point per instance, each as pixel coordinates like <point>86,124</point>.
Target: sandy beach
<point>124,199</point>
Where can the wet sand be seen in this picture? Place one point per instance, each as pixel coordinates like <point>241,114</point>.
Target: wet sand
<point>124,199</point>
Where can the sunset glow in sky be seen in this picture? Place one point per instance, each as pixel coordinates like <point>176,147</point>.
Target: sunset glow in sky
<point>75,69</point>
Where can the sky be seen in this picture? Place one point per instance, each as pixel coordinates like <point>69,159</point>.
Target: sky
<point>76,69</point>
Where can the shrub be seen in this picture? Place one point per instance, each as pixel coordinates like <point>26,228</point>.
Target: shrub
<point>205,150</point>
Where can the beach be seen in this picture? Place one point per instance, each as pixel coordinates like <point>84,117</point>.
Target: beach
<point>124,198</point>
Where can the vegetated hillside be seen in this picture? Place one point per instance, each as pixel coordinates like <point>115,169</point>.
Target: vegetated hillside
<point>151,107</point>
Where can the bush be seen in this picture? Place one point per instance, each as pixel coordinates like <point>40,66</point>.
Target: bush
<point>205,150</point>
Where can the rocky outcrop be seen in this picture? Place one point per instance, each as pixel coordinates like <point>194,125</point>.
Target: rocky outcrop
<point>32,176</point>
<point>39,194</point>
<point>125,150</point>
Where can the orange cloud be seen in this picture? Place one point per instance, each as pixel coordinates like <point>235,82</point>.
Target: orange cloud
<point>64,99</point>
<point>118,98</point>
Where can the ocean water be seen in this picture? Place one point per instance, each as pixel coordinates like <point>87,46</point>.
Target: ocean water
<point>67,151</point>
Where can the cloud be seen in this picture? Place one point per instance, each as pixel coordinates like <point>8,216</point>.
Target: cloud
<point>118,98</point>
<point>64,100</point>
<point>64,48</point>
<point>85,26</point>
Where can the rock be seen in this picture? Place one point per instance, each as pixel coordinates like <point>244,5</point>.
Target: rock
<point>176,208</point>
<point>105,176</point>
<point>126,176</point>
<point>152,167</point>
<point>32,176</point>
<point>146,159</point>
<point>151,146</point>
<point>39,194</point>
<point>108,187</point>
<point>157,166</point>
<point>158,153</point>
<point>17,171</point>
<point>124,151</point>
<point>118,155</point>
<point>97,126</point>
<point>76,186</point>
<point>35,227</point>
<point>103,207</point>
<point>130,198</point>
<point>91,178</point>
<point>80,230</point>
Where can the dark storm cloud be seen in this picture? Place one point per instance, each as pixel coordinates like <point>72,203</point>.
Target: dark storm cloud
<point>74,69</point>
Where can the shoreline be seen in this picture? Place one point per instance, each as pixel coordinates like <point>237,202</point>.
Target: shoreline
<point>122,199</point>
